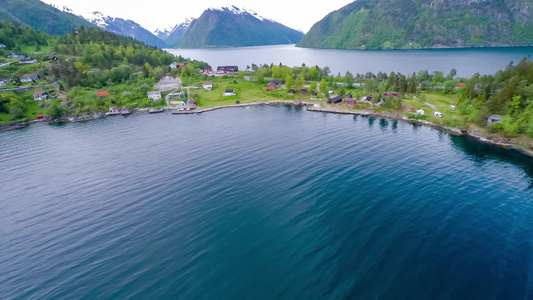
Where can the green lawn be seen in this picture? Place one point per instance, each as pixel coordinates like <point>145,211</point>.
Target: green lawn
<point>247,92</point>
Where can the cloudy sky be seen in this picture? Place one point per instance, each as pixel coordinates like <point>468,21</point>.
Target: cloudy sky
<point>155,14</point>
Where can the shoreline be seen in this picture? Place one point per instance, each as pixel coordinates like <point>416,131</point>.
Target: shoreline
<point>383,115</point>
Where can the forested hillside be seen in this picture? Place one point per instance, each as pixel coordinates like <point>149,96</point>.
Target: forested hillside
<point>40,16</point>
<point>377,24</point>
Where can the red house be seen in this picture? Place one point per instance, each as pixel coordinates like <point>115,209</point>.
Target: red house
<point>392,94</point>
<point>207,69</point>
<point>102,95</point>
<point>271,87</point>
<point>460,85</point>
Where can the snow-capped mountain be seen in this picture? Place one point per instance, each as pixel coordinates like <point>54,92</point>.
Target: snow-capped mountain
<point>236,27</point>
<point>173,36</point>
<point>125,28</point>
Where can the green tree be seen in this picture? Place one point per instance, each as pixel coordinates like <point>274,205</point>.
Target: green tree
<point>323,86</point>
<point>16,112</point>
<point>300,81</point>
<point>289,82</point>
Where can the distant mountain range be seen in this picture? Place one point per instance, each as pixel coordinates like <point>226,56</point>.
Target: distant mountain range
<point>378,24</point>
<point>173,36</point>
<point>125,28</point>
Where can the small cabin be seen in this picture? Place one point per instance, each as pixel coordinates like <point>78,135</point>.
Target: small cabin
<point>303,92</point>
<point>420,112</point>
<point>28,61</point>
<point>40,95</point>
<point>351,101</point>
<point>437,114</point>
<point>391,94</point>
<point>335,100</point>
<point>114,110</point>
<point>208,85</point>
<point>271,87</point>
<point>452,107</point>
<point>102,94</point>
<point>29,78</point>
<point>229,92</point>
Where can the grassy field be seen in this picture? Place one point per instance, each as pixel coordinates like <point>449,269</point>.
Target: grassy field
<point>246,92</point>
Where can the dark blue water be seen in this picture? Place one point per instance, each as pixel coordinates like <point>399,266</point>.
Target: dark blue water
<point>467,61</point>
<point>261,203</point>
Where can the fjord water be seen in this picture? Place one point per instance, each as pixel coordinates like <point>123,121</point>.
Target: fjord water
<point>466,61</point>
<point>261,203</point>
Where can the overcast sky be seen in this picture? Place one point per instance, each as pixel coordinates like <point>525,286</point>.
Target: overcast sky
<point>155,14</point>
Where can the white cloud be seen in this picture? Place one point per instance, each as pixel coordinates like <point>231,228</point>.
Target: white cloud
<point>167,13</point>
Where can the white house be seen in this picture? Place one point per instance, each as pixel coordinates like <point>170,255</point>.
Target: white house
<point>229,93</point>
<point>28,61</point>
<point>155,96</point>
<point>208,86</point>
<point>40,95</point>
<point>16,55</point>
<point>437,114</point>
<point>2,83</point>
<point>29,78</point>
<point>420,112</point>
<point>452,107</point>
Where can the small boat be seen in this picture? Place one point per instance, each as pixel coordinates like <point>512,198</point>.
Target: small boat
<point>156,111</point>
<point>125,111</point>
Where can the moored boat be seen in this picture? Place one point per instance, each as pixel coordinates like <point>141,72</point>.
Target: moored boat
<point>155,111</point>
<point>125,111</point>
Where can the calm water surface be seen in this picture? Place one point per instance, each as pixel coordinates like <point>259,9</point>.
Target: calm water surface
<point>261,203</point>
<point>466,61</point>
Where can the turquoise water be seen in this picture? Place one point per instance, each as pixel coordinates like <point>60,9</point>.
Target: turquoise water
<point>467,61</point>
<point>261,203</point>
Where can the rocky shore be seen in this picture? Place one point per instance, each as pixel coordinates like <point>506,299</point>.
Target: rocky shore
<point>474,134</point>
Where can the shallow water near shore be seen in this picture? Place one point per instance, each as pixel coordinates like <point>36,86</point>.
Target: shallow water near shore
<point>261,203</point>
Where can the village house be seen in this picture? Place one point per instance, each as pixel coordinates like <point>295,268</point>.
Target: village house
<point>192,103</point>
<point>2,83</point>
<point>391,94</point>
<point>54,58</point>
<point>303,92</point>
<point>275,82</point>
<point>271,87</point>
<point>207,69</point>
<point>437,114</point>
<point>179,95</point>
<point>452,107</point>
<point>227,69</point>
<point>291,92</point>
<point>176,65</point>
<point>335,100</point>
<point>229,92</point>
<point>350,99</point>
<point>420,112</point>
<point>348,96</point>
<point>28,61</point>
<point>155,95</point>
<point>29,78</point>
<point>115,110</point>
<point>102,94</point>
<point>2,46</point>
<point>16,55</point>
<point>40,95</point>
<point>208,85</point>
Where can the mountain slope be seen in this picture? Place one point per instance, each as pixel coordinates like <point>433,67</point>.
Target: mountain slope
<point>173,36</point>
<point>40,16</point>
<point>125,28</point>
<point>376,24</point>
<point>234,27</point>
